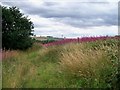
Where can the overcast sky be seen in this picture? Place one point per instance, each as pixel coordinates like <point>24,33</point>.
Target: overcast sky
<point>70,18</point>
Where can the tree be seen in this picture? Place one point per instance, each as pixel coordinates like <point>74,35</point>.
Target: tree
<point>16,29</point>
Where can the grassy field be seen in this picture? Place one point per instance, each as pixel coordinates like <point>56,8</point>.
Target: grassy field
<point>74,65</point>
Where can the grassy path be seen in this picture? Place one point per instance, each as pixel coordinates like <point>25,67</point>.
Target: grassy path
<point>92,64</point>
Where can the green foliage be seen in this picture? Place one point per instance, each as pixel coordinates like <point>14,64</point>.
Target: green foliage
<point>16,29</point>
<point>46,41</point>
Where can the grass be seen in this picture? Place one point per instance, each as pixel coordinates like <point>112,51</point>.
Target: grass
<point>91,65</point>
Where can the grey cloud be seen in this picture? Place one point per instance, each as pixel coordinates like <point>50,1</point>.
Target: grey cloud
<point>79,13</point>
<point>76,14</point>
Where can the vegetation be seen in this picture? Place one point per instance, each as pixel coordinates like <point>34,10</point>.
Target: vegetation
<point>45,41</point>
<point>16,29</point>
<point>88,64</point>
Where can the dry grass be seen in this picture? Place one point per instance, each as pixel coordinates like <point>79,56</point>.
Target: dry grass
<point>87,63</point>
<point>82,62</point>
<point>9,54</point>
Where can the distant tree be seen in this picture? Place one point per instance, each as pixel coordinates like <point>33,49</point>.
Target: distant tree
<point>16,29</point>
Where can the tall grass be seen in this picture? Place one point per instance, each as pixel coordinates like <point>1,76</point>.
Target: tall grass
<point>95,63</point>
<point>88,64</point>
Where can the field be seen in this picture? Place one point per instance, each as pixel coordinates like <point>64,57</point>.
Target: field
<point>73,65</point>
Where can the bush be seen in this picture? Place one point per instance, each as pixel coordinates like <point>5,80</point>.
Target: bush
<point>47,41</point>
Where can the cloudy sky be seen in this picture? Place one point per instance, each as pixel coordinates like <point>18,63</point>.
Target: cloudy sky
<point>70,18</point>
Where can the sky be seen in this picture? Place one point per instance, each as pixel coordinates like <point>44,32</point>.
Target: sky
<point>70,18</point>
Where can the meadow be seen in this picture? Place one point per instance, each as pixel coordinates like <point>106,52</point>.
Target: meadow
<point>92,64</point>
